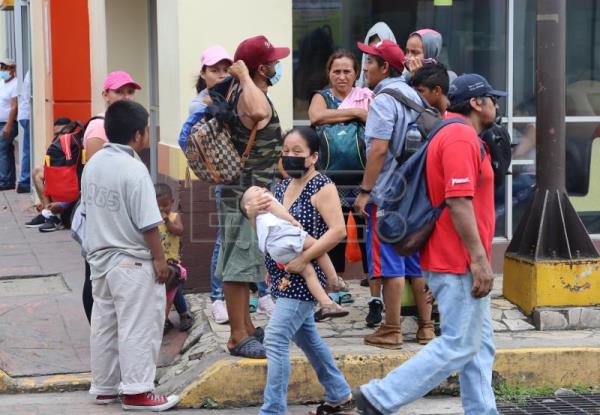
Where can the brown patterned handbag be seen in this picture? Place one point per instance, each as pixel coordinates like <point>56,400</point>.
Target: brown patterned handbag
<point>211,154</point>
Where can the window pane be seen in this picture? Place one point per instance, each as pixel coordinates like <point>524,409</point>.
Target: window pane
<point>474,33</point>
<point>582,58</point>
<point>582,172</point>
<point>523,177</point>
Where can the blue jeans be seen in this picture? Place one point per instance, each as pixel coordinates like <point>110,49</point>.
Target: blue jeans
<point>216,285</point>
<point>466,345</point>
<point>7,157</point>
<point>179,300</point>
<point>25,174</point>
<point>294,320</point>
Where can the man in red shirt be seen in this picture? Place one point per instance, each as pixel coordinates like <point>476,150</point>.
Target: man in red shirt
<point>455,262</point>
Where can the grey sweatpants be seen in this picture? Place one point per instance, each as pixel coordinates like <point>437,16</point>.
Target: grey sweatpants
<point>126,328</point>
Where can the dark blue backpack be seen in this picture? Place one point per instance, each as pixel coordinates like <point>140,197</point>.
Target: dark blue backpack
<point>405,215</point>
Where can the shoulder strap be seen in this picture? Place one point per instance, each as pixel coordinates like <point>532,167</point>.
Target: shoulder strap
<point>97,117</point>
<point>250,144</point>
<point>406,101</point>
<point>442,125</point>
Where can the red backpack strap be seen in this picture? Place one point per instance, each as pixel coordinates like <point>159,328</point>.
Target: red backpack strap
<point>65,144</point>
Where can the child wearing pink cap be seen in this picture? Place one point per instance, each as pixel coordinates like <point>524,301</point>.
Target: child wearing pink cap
<point>215,61</point>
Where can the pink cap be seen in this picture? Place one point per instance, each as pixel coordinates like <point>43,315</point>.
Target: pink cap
<point>117,79</point>
<point>214,55</point>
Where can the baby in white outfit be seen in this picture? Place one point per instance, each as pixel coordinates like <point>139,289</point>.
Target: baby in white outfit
<point>282,237</point>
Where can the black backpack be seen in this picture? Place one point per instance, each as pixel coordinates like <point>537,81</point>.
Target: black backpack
<point>499,143</point>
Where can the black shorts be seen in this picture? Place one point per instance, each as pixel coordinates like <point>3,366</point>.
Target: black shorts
<point>338,253</point>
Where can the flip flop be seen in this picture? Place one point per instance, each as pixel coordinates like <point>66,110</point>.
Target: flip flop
<point>340,409</point>
<point>250,347</point>
<point>345,297</point>
<point>326,313</point>
<point>253,304</point>
<point>259,333</point>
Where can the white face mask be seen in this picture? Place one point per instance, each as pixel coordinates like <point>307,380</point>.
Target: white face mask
<point>5,75</point>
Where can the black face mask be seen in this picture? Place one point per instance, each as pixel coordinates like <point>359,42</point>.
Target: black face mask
<point>294,166</point>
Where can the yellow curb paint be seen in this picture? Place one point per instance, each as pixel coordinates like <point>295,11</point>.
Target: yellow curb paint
<point>530,284</point>
<point>6,382</point>
<point>232,382</point>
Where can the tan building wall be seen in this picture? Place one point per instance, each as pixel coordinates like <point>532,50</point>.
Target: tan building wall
<point>2,35</point>
<point>185,29</point>
<point>127,41</point>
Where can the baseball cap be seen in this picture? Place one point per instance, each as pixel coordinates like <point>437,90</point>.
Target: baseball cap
<point>256,50</point>
<point>117,79</point>
<point>471,85</point>
<point>387,50</point>
<point>214,55</point>
<point>7,62</point>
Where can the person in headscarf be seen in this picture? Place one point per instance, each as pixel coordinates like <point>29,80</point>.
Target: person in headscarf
<point>380,31</point>
<point>423,46</point>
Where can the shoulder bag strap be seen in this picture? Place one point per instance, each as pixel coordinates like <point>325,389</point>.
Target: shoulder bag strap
<point>399,96</point>
<point>252,138</point>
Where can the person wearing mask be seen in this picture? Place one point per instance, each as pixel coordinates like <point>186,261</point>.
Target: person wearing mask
<point>8,123</point>
<point>255,70</point>
<point>456,262</point>
<point>423,46</point>
<point>343,102</point>
<point>118,85</point>
<point>380,31</point>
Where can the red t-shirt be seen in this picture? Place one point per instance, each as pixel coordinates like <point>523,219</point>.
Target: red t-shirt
<point>454,168</point>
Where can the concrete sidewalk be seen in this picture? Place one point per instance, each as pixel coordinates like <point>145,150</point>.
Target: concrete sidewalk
<point>43,328</point>
<point>76,403</point>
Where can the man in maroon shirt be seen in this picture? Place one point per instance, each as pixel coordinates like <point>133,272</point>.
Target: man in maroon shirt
<point>455,262</point>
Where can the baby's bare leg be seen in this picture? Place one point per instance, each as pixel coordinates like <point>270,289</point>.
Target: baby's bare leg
<point>324,263</point>
<point>314,286</point>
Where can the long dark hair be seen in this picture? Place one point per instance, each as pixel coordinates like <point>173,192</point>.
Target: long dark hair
<point>200,82</point>
<point>308,134</point>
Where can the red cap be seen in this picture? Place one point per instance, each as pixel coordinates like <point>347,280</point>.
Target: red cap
<point>117,79</point>
<point>258,50</point>
<point>388,51</point>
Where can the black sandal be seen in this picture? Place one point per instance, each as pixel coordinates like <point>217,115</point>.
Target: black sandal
<point>342,408</point>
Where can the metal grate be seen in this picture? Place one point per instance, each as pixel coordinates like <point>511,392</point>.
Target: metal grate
<point>560,405</point>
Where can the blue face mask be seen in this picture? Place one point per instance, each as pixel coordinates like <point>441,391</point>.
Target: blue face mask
<point>4,75</point>
<point>277,75</point>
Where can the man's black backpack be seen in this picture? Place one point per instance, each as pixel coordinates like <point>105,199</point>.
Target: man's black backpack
<point>498,141</point>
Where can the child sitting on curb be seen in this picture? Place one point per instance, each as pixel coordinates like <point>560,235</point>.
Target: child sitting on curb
<point>280,235</point>
<point>171,232</point>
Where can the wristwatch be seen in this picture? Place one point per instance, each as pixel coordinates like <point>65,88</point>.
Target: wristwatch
<point>363,190</point>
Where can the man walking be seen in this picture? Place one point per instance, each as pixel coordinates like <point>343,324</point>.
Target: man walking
<point>256,68</point>
<point>8,123</point>
<point>387,123</point>
<point>456,263</point>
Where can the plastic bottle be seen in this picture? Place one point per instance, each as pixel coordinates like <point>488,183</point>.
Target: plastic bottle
<point>413,140</point>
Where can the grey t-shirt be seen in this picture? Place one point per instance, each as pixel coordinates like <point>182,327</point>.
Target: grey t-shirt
<point>119,203</point>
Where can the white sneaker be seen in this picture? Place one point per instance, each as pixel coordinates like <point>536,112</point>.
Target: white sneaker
<point>266,305</point>
<point>219,312</point>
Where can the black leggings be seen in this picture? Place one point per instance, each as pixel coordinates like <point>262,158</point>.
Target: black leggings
<point>86,295</point>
